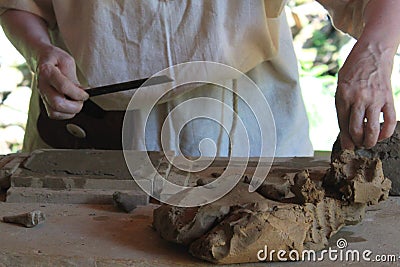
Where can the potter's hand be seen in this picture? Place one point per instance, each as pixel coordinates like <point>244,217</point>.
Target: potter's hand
<point>364,86</point>
<point>55,69</point>
<point>363,92</point>
<point>58,85</point>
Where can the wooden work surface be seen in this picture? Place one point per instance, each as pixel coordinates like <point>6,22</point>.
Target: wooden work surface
<point>100,235</point>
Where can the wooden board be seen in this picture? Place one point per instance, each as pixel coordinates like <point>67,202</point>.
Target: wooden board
<point>95,235</point>
<point>99,235</point>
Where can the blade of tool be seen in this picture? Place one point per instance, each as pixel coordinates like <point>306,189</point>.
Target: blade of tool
<point>125,86</point>
<point>94,110</point>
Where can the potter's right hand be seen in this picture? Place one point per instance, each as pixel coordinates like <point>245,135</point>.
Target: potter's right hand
<point>58,84</point>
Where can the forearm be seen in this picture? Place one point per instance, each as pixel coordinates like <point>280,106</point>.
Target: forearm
<point>27,32</point>
<point>382,25</point>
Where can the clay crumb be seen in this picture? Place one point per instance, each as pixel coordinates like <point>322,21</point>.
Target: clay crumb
<point>124,202</point>
<point>204,181</point>
<point>29,219</point>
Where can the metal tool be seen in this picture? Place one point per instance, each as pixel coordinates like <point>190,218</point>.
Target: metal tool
<point>94,110</point>
<point>118,87</point>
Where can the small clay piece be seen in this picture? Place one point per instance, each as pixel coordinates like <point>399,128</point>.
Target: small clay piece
<point>215,175</point>
<point>388,151</point>
<point>275,187</point>
<point>29,219</point>
<point>204,181</point>
<point>234,228</point>
<point>124,201</point>
<point>306,190</point>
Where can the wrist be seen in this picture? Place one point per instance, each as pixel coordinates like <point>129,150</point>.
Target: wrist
<point>40,51</point>
<point>381,52</point>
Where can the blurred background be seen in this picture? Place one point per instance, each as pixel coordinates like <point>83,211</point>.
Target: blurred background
<point>321,51</point>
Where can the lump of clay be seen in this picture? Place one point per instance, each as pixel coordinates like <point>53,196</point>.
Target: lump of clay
<point>234,228</point>
<point>357,179</point>
<point>246,230</point>
<point>279,226</point>
<point>184,225</point>
<point>388,151</point>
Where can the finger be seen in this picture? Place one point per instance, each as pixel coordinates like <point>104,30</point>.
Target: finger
<point>63,85</point>
<point>55,115</point>
<point>52,75</point>
<point>343,120</point>
<point>356,124</point>
<point>61,104</point>
<point>371,126</point>
<point>389,123</point>
<point>345,141</point>
<point>67,66</point>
